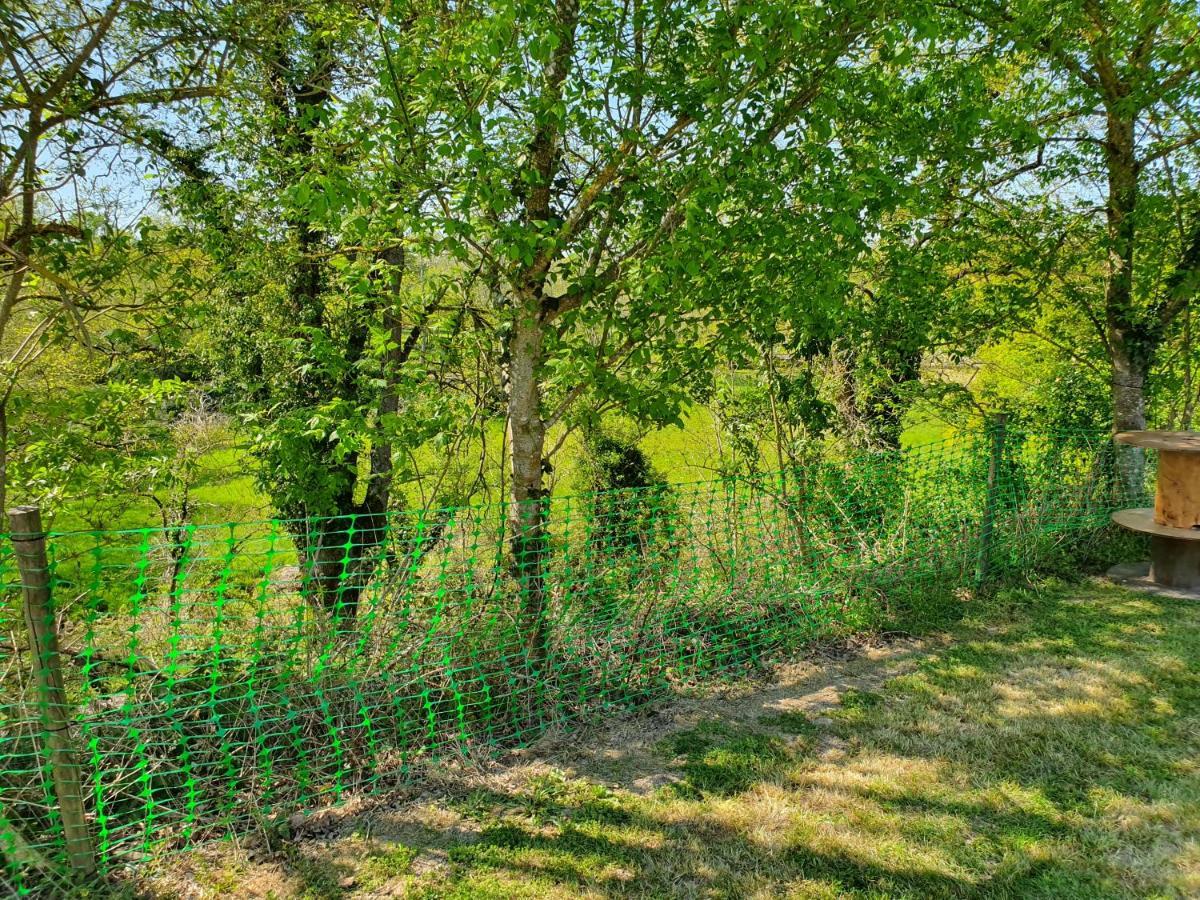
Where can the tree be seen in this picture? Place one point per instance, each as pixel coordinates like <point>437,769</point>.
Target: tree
<point>582,154</point>
<point>333,332</point>
<point>77,85</point>
<point>839,272</point>
<point>1113,93</point>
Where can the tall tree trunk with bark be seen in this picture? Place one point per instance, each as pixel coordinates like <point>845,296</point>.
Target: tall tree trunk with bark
<point>532,315</point>
<point>527,440</point>
<point>1131,340</point>
<point>345,552</point>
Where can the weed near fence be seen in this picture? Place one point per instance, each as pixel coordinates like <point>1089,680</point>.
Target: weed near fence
<point>213,685</point>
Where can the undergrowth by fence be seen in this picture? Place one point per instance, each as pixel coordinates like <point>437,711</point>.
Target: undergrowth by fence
<point>211,683</point>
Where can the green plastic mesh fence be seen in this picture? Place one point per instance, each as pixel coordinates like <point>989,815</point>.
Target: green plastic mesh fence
<point>223,674</point>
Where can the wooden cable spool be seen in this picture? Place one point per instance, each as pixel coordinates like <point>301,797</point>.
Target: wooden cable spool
<point>1174,523</point>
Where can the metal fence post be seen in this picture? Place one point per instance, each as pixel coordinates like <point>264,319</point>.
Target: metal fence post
<point>987,526</point>
<point>29,548</point>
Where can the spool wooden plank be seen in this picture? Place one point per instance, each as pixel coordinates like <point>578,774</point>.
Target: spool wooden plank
<point>1142,520</point>
<point>1177,495</point>
<point>1177,441</point>
<point>1174,552</point>
<point>1174,523</point>
<point>1177,498</point>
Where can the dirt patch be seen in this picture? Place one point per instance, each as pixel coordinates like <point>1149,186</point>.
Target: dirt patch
<point>622,756</point>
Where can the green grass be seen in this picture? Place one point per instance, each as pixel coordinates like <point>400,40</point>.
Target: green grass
<point>923,425</point>
<point>788,722</point>
<point>1049,748</point>
<point>718,760</point>
<point>226,490</point>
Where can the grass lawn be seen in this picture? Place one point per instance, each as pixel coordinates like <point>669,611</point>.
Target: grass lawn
<point>1048,746</point>
<point>226,489</point>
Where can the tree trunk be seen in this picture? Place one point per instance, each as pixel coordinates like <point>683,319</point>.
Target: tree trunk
<point>1128,391</point>
<point>526,425</point>
<point>379,485</point>
<point>843,362</point>
<point>886,418</point>
<point>527,439</point>
<point>1131,340</point>
<point>872,414</point>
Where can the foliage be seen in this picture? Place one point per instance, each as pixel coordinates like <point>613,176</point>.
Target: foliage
<point>369,240</point>
<point>82,262</point>
<point>427,254</point>
<point>631,503</point>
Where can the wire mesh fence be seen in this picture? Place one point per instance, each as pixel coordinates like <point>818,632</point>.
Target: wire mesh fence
<point>223,675</point>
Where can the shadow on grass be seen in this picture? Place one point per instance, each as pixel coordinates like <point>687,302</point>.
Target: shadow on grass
<point>693,856</point>
<point>1047,721</point>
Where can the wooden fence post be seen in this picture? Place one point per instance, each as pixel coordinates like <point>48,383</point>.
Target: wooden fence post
<point>987,527</point>
<point>29,548</point>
